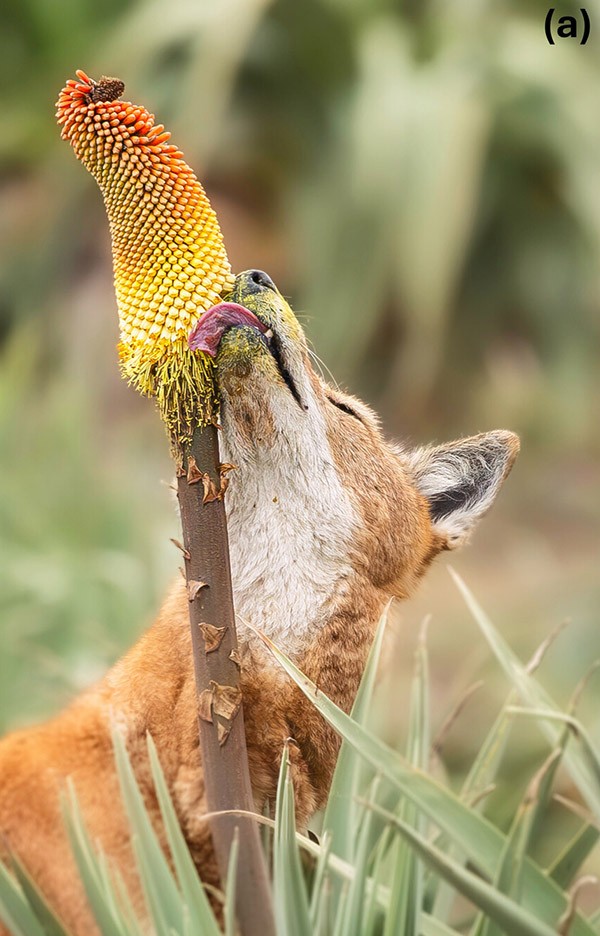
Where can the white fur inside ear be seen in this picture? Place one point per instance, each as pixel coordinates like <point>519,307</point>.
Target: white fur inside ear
<point>461,480</point>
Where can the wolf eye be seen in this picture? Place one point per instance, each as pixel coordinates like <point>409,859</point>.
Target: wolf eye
<point>344,408</point>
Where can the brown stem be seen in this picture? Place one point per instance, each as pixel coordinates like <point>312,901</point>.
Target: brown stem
<point>222,738</point>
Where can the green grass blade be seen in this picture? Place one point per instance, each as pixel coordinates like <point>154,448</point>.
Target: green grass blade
<point>484,768</point>
<point>589,755</point>
<point>15,911</point>
<point>289,890</point>
<point>128,914</point>
<point>595,922</point>
<point>479,839</point>
<point>351,907</point>
<point>189,927</point>
<point>341,814</point>
<point>568,863</point>
<point>373,917</point>
<point>321,885</point>
<point>432,927</point>
<point>512,918</point>
<point>51,924</point>
<point>407,882</point>
<point>162,896</point>
<point>322,919</point>
<point>508,879</point>
<point>122,910</point>
<point>543,793</point>
<point>535,697</point>
<point>375,892</point>
<point>400,915</point>
<point>192,890</point>
<point>479,779</point>
<point>338,926</point>
<point>94,877</point>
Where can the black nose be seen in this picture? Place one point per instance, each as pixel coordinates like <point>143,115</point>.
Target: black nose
<point>255,280</point>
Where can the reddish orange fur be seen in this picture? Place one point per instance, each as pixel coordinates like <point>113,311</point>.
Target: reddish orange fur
<point>152,687</point>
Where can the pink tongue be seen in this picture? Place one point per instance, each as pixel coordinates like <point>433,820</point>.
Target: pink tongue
<point>207,334</point>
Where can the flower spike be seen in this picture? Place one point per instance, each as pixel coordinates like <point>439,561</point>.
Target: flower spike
<point>169,258</point>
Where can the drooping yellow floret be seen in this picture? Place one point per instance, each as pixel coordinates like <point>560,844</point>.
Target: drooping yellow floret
<point>169,259</point>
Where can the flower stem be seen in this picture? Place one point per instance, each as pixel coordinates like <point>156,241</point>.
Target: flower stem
<point>221,720</point>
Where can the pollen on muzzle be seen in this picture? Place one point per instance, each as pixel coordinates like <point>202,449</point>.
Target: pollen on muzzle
<point>169,258</point>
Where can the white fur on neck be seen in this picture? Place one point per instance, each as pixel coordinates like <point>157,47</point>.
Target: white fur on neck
<point>290,522</point>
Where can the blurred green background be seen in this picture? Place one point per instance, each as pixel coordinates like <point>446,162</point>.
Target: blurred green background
<point>423,180</point>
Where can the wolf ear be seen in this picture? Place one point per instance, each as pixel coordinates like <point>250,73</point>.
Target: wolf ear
<point>461,480</point>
